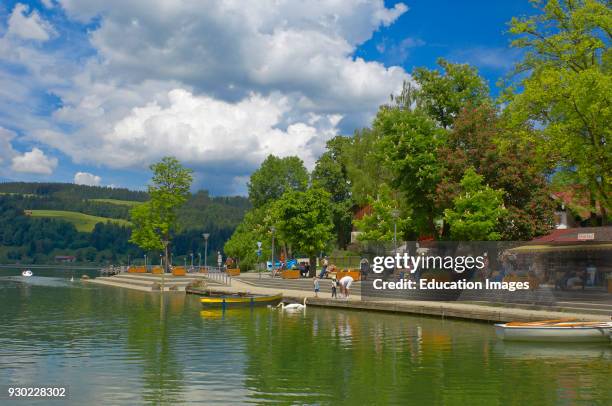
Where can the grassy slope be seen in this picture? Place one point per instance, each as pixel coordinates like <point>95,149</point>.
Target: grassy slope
<point>82,222</point>
<point>130,203</point>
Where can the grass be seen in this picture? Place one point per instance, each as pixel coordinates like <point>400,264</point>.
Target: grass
<point>130,203</point>
<point>82,222</point>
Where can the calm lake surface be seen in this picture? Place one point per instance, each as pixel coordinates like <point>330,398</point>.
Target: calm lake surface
<point>116,346</point>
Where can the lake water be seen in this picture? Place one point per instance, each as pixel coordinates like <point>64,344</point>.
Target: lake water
<point>116,346</point>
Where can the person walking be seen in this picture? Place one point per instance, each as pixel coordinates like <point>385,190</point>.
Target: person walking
<point>324,264</point>
<point>317,286</point>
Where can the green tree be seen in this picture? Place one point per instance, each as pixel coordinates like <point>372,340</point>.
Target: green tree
<point>476,211</point>
<point>442,95</point>
<point>330,174</point>
<point>480,139</point>
<point>155,220</point>
<point>276,176</point>
<point>304,220</point>
<point>566,89</point>
<point>363,157</point>
<point>378,224</point>
<point>243,243</point>
<point>411,140</point>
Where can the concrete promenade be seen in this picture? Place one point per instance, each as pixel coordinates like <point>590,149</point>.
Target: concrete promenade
<point>298,290</point>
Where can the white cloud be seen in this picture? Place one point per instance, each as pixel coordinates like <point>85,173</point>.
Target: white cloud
<point>492,58</point>
<point>86,178</point>
<point>206,131</point>
<point>47,3</point>
<point>6,148</point>
<point>201,80</point>
<point>34,161</point>
<point>30,26</point>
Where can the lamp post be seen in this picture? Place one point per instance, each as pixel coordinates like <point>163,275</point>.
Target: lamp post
<point>171,258</point>
<point>164,269</point>
<point>192,259</point>
<point>259,257</point>
<point>272,229</point>
<point>199,260</point>
<point>395,213</point>
<point>145,257</point>
<point>205,235</point>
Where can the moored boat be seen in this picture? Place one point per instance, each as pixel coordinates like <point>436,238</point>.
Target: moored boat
<point>225,301</point>
<point>27,272</point>
<point>565,331</point>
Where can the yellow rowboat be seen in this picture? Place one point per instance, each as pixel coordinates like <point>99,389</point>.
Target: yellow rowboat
<point>225,301</point>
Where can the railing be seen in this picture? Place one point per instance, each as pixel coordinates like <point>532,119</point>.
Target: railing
<point>217,274</point>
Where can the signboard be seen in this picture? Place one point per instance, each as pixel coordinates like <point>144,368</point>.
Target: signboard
<point>586,236</point>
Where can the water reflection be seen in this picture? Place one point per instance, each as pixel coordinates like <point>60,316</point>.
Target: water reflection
<point>124,347</point>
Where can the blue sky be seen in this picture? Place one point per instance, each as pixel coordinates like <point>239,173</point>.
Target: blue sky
<point>93,92</point>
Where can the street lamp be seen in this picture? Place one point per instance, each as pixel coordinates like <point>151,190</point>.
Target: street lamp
<point>192,259</point>
<point>205,235</point>
<point>395,214</point>
<point>145,256</point>
<point>164,269</point>
<point>272,229</point>
<point>199,260</point>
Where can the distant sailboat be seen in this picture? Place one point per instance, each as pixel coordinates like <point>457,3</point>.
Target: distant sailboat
<point>27,272</point>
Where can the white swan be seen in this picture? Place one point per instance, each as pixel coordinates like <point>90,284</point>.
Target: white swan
<point>292,307</point>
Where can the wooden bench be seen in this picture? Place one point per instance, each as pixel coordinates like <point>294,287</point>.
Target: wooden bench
<point>233,272</point>
<point>157,270</point>
<point>290,274</point>
<point>179,271</point>
<point>137,269</point>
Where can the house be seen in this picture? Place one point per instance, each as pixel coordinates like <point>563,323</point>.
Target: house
<point>65,258</point>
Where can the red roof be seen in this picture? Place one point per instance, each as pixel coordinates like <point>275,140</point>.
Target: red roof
<point>578,235</point>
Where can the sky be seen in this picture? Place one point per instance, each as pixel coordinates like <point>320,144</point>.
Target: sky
<point>93,92</point>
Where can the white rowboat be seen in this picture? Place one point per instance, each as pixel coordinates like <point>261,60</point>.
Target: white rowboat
<point>27,272</point>
<point>560,331</point>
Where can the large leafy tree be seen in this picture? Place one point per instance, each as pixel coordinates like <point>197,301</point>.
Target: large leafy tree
<point>411,140</point>
<point>385,217</point>
<point>330,174</point>
<point>155,220</point>
<point>276,176</point>
<point>443,94</point>
<point>254,228</point>
<point>304,220</point>
<point>566,89</point>
<point>476,210</point>
<point>479,139</point>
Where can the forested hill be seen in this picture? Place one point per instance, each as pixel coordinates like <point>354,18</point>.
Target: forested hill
<point>72,191</point>
<point>39,221</point>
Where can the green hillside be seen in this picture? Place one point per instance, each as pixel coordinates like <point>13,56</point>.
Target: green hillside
<point>129,203</point>
<point>82,222</point>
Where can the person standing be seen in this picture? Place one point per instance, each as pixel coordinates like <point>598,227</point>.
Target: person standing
<point>317,286</point>
<point>364,267</point>
<point>334,288</point>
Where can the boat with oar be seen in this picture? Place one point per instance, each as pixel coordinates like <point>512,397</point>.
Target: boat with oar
<point>224,301</point>
<point>560,331</point>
